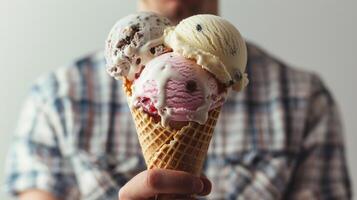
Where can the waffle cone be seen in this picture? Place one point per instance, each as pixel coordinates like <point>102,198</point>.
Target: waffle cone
<point>164,147</point>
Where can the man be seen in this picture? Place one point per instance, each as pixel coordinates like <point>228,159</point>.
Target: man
<point>278,139</point>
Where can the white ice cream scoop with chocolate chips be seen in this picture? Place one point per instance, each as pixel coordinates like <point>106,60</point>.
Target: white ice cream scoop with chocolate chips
<point>133,41</point>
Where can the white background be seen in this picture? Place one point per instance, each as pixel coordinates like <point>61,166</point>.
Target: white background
<point>39,35</point>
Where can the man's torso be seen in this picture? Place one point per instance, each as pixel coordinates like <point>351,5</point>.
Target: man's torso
<point>259,128</point>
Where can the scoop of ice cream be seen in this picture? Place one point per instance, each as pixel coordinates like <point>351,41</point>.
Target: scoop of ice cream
<point>176,89</point>
<point>133,41</point>
<point>215,44</point>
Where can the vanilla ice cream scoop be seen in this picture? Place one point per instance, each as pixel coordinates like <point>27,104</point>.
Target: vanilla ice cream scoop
<point>133,41</point>
<point>215,44</point>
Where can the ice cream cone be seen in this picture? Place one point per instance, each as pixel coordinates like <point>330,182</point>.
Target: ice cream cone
<point>167,148</point>
<point>181,149</point>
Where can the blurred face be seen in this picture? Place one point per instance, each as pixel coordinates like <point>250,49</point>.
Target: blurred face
<point>176,10</point>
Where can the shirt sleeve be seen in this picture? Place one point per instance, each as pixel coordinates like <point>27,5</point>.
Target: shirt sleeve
<point>321,168</point>
<point>34,160</point>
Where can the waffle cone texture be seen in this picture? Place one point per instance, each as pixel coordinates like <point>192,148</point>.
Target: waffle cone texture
<point>164,147</point>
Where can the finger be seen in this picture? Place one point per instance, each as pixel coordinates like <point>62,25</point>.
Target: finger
<point>207,186</point>
<point>160,181</point>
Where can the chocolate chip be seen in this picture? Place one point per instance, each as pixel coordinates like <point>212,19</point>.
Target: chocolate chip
<point>138,61</point>
<point>158,20</point>
<point>233,52</point>
<point>191,86</point>
<point>152,50</point>
<point>140,35</point>
<point>198,27</point>
<point>127,39</point>
<point>146,18</point>
<point>120,44</point>
<point>135,28</point>
<point>238,75</point>
<point>231,82</point>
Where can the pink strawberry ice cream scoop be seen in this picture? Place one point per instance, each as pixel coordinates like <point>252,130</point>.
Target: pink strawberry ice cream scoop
<point>176,89</point>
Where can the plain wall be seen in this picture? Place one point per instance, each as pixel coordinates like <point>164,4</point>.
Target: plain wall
<point>39,35</point>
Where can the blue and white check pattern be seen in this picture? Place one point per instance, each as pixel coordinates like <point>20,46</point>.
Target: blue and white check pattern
<point>280,138</point>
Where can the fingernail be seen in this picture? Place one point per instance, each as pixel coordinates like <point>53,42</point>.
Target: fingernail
<point>207,187</point>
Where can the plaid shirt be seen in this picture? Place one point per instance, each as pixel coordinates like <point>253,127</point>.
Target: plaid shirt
<point>280,138</point>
